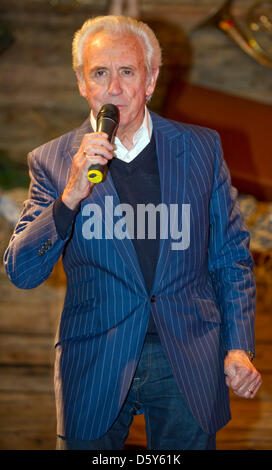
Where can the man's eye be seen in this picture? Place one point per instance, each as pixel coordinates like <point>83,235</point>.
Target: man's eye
<point>100,73</point>
<point>127,72</point>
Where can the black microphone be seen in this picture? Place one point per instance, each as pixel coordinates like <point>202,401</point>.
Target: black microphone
<point>107,121</point>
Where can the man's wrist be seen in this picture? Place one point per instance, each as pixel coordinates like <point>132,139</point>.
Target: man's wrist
<point>248,353</point>
<point>63,217</point>
<point>69,202</point>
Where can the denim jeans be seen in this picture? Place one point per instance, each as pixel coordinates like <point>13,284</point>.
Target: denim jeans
<point>154,392</point>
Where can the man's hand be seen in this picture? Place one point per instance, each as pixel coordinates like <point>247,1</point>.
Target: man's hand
<point>241,374</point>
<point>94,148</point>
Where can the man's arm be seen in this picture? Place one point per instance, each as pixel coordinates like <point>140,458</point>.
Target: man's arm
<point>231,268</point>
<point>42,231</point>
<point>35,245</point>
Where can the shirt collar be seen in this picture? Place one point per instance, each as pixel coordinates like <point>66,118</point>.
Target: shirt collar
<point>141,139</point>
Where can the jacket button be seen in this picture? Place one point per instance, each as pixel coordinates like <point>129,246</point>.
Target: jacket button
<point>153,298</point>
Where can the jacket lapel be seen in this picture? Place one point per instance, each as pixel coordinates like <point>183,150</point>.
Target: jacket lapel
<point>173,151</point>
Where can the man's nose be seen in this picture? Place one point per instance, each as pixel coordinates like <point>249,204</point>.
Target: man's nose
<point>114,86</point>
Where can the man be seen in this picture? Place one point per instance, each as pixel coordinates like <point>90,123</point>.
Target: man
<point>150,324</point>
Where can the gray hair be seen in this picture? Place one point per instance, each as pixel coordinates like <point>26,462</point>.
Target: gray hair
<point>117,25</point>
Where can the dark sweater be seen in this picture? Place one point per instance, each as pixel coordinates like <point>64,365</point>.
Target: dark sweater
<point>138,182</point>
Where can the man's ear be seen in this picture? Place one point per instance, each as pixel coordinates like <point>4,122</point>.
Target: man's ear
<point>81,83</point>
<point>151,83</point>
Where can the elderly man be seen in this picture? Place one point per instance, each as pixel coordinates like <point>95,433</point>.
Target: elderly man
<point>149,325</point>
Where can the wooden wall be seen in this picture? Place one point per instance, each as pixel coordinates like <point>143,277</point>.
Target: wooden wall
<point>244,127</point>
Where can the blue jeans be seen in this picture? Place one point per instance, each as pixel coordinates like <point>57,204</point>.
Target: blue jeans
<point>154,392</point>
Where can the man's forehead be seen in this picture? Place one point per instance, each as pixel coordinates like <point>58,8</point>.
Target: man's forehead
<point>112,44</point>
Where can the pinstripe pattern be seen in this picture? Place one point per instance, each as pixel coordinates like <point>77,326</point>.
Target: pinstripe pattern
<point>204,295</point>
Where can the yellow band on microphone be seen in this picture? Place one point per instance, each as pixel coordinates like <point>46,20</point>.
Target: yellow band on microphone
<point>95,176</point>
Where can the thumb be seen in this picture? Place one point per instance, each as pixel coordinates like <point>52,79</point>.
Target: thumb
<point>230,370</point>
<point>230,373</point>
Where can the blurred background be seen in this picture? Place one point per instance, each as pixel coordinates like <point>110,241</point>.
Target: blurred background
<point>217,72</point>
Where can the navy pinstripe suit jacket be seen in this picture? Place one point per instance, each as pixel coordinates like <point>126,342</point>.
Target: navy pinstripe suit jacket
<point>204,294</point>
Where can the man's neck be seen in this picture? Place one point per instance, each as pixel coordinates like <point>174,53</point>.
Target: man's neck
<point>127,140</point>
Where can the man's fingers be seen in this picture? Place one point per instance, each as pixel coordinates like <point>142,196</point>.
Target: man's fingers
<point>248,392</point>
<point>245,382</point>
<point>95,150</point>
<point>253,387</point>
<point>92,160</point>
<point>237,375</point>
<point>96,143</point>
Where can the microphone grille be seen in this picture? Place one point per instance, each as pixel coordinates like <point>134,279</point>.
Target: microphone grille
<point>109,111</point>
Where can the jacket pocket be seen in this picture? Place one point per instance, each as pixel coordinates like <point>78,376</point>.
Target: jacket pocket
<point>208,309</point>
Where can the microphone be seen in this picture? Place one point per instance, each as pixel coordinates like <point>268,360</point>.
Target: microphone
<point>107,121</point>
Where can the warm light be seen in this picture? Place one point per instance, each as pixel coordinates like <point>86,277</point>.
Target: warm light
<point>225,25</point>
<point>255,27</point>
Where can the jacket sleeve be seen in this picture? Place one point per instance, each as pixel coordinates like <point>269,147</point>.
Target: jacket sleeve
<point>35,245</point>
<point>230,261</point>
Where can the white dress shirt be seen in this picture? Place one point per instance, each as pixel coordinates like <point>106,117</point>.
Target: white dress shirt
<point>140,139</point>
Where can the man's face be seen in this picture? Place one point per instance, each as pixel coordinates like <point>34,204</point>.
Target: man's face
<point>114,72</point>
